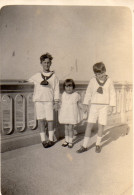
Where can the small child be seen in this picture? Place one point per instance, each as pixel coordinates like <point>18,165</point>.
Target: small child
<point>101,95</point>
<point>69,113</point>
<point>46,96</point>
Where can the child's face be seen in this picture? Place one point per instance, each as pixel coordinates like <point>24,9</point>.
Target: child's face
<point>69,88</point>
<point>46,64</point>
<point>100,76</point>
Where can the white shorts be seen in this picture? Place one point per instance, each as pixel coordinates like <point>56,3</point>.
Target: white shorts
<point>44,110</point>
<point>98,112</point>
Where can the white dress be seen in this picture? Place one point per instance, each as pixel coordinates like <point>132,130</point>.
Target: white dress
<point>69,112</point>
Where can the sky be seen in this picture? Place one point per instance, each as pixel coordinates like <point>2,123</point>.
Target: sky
<point>76,36</point>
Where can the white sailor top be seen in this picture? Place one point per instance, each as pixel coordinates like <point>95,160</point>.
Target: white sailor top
<point>48,92</point>
<point>100,94</point>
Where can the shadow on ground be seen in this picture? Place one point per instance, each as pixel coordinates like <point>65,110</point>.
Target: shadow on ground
<point>115,133</point>
<point>110,135</point>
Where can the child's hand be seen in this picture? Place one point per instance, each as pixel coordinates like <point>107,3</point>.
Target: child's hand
<point>56,106</point>
<point>110,110</point>
<point>85,116</point>
<point>85,108</point>
<point>80,105</point>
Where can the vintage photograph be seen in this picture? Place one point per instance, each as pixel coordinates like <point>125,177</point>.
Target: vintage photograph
<point>66,86</point>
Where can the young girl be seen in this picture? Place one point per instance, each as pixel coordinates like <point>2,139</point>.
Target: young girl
<point>69,113</point>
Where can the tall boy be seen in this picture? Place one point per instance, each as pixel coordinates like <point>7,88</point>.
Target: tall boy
<point>100,94</point>
<point>46,96</point>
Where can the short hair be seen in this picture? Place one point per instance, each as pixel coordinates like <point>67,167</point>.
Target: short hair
<point>69,81</point>
<point>99,67</point>
<point>44,56</point>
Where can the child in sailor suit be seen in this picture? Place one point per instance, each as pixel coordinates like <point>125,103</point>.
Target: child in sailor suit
<point>46,96</point>
<point>100,94</point>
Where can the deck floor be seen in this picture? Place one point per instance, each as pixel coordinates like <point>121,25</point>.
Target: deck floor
<point>34,170</point>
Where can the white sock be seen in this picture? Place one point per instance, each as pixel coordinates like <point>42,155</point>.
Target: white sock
<point>85,142</point>
<point>51,135</point>
<point>43,136</point>
<point>98,142</point>
<point>70,140</point>
<point>67,138</point>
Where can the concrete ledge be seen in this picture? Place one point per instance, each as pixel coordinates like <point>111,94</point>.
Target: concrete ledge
<point>19,140</point>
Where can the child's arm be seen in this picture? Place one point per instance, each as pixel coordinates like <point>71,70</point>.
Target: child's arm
<point>56,105</point>
<point>31,79</point>
<point>88,94</point>
<point>112,95</point>
<point>110,110</point>
<point>85,108</point>
<point>82,106</point>
<point>79,100</point>
<point>56,95</point>
<point>56,90</point>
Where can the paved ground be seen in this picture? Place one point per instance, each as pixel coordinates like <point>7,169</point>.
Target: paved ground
<point>34,170</point>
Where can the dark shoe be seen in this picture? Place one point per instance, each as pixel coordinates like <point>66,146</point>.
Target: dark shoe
<point>98,149</point>
<point>49,144</point>
<point>65,144</point>
<point>82,149</point>
<point>44,143</point>
<point>70,145</point>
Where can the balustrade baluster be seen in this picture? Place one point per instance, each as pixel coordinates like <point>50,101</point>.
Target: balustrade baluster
<point>118,100</point>
<point>7,115</point>
<point>31,117</point>
<point>123,104</point>
<point>20,113</point>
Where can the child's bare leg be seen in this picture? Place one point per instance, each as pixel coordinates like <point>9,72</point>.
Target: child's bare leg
<point>86,138</point>
<point>42,124</point>
<point>100,133</point>
<point>66,136</point>
<point>88,129</point>
<point>87,134</point>
<point>51,135</point>
<point>50,130</point>
<point>99,137</point>
<point>66,133</point>
<point>100,130</point>
<point>71,133</point>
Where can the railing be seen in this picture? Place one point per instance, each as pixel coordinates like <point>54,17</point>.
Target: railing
<point>18,112</point>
